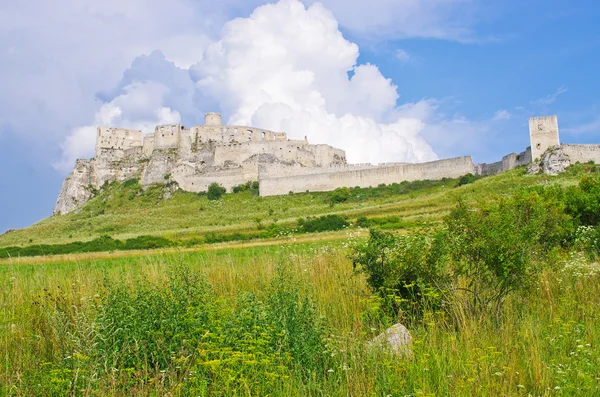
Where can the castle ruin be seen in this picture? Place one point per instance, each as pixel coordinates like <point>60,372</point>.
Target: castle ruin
<point>233,155</point>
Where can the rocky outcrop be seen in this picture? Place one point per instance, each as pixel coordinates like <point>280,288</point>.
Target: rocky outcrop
<point>76,189</point>
<point>553,162</point>
<point>396,340</point>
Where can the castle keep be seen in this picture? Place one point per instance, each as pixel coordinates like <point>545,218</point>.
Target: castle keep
<point>232,155</point>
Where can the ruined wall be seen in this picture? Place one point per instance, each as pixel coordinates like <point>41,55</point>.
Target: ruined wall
<point>167,136</point>
<point>117,138</point>
<point>226,178</point>
<point>226,134</point>
<point>543,133</point>
<point>508,162</point>
<point>450,168</point>
<point>582,153</point>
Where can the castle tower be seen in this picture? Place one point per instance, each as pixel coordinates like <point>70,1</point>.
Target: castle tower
<point>213,119</point>
<point>543,133</point>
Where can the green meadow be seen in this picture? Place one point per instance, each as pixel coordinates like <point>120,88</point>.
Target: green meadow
<point>289,313</point>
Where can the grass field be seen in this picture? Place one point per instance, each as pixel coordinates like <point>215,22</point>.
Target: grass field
<point>286,316</point>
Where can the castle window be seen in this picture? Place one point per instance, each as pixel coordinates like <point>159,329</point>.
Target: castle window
<point>538,146</point>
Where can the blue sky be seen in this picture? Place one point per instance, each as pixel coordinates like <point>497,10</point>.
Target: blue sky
<point>387,80</point>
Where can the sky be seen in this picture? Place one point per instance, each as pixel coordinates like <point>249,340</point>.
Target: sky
<point>385,80</point>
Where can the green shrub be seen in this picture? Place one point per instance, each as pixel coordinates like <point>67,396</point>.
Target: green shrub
<point>340,195</point>
<point>322,224</point>
<point>482,255</point>
<point>131,182</point>
<point>250,186</point>
<point>467,179</point>
<point>215,191</point>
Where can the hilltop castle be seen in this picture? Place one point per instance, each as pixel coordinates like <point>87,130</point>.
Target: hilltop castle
<point>232,155</point>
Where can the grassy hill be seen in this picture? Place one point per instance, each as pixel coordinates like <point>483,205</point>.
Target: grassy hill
<point>290,314</point>
<point>126,210</point>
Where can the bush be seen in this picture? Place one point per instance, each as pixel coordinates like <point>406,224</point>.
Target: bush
<point>322,224</point>
<point>401,270</point>
<point>467,179</point>
<point>340,195</point>
<point>583,202</point>
<point>215,191</point>
<point>482,255</point>
<point>247,187</point>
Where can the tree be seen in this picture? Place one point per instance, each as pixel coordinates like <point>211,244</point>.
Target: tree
<point>215,191</point>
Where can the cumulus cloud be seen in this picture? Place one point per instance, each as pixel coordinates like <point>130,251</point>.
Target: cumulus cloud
<point>286,68</point>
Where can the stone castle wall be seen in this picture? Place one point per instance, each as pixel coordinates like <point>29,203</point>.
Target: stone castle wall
<point>582,153</point>
<point>328,180</point>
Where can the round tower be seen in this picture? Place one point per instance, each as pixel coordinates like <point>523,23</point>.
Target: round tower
<point>213,119</point>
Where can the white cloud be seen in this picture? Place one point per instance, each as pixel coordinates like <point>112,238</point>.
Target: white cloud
<point>286,68</point>
<point>502,115</point>
<point>549,99</point>
<point>403,56</point>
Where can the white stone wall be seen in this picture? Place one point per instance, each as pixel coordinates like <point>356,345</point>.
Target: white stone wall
<point>167,136</point>
<point>543,133</point>
<point>582,153</point>
<point>450,168</point>
<point>117,138</point>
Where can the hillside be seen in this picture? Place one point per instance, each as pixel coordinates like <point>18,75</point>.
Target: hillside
<point>127,210</point>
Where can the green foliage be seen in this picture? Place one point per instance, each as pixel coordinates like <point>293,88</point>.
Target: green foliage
<point>133,182</point>
<point>152,324</point>
<point>467,179</point>
<point>402,270</point>
<point>480,257</point>
<point>583,202</point>
<point>322,224</point>
<point>215,191</point>
<point>247,187</point>
<point>340,195</point>
<point>495,246</point>
<point>100,244</point>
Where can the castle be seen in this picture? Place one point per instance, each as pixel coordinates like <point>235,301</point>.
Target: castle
<point>232,155</point>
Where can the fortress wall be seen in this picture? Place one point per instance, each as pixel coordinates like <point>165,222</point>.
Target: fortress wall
<point>278,171</point>
<point>117,138</point>
<point>287,151</point>
<point>236,133</point>
<point>489,169</point>
<point>148,147</point>
<point>325,155</point>
<point>450,168</point>
<point>226,178</point>
<point>167,136</point>
<point>582,153</point>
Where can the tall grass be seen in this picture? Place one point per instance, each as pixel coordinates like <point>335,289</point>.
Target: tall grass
<point>546,342</point>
